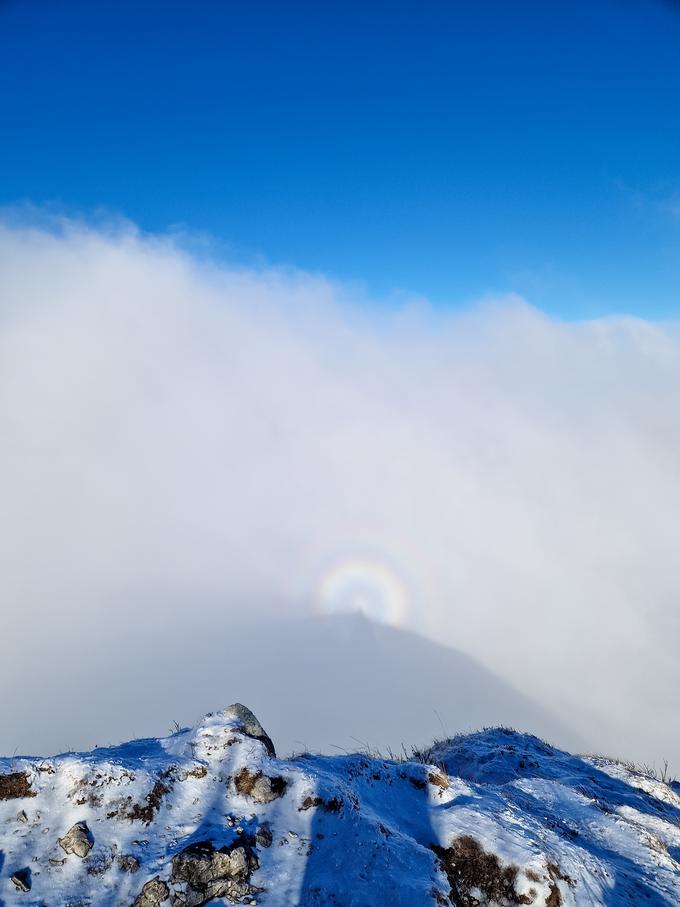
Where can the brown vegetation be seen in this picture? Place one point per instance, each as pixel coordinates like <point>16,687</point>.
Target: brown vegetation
<point>258,786</point>
<point>15,785</point>
<point>146,812</point>
<point>469,868</point>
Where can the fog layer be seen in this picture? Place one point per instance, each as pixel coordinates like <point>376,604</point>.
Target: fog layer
<point>185,445</point>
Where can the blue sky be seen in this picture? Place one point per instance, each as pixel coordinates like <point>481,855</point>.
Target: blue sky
<point>444,149</point>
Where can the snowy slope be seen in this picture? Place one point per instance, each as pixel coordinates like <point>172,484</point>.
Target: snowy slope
<point>209,815</point>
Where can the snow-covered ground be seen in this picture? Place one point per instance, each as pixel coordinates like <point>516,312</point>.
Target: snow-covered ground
<point>209,815</point>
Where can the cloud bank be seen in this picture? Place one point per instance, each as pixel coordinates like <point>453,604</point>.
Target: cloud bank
<point>184,443</point>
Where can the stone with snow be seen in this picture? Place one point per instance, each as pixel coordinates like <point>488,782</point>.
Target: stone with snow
<point>22,879</point>
<point>250,725</point>
<point>77,840</point>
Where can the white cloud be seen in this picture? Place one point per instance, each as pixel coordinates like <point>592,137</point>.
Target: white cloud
<point>177,431</point>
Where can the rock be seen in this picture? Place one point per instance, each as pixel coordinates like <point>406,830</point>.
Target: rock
<point>78,840</point>
<point>22,879</point>
<point>250,726</point>
<point>152,894</point>
<point>127,863</point>
<point>259,787</point>
<point>263,835</point>
<point>21,816</point>
<point>211,873</point>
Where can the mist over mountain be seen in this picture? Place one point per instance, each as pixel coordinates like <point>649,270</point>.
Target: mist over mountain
<point>346,682</point>
<point>325,684</point>
<point>190,446</point>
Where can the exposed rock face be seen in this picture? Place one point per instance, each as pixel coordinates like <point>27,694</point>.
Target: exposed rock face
<point>263,836</point>
<point>211,873</point>
<point>250,725</point>
<point>152,894</point>
<point>77,840</point>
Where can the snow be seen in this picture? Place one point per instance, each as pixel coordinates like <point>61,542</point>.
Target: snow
<point>515,821</point>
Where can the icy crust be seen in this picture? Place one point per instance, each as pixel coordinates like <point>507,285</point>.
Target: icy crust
<point>210,815</point>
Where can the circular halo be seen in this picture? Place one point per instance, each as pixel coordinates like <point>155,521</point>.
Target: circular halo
<point>362,585</point>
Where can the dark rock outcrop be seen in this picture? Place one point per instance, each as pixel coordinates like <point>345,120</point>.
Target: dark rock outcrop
<point>210,873</point>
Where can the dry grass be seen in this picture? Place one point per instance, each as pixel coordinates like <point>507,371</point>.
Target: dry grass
<point>663,775</point>
<point>15,786</point>
<point>146,812</point>
<point>470,870</point>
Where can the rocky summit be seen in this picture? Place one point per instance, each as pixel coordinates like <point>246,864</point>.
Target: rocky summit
<point>211,815</point>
